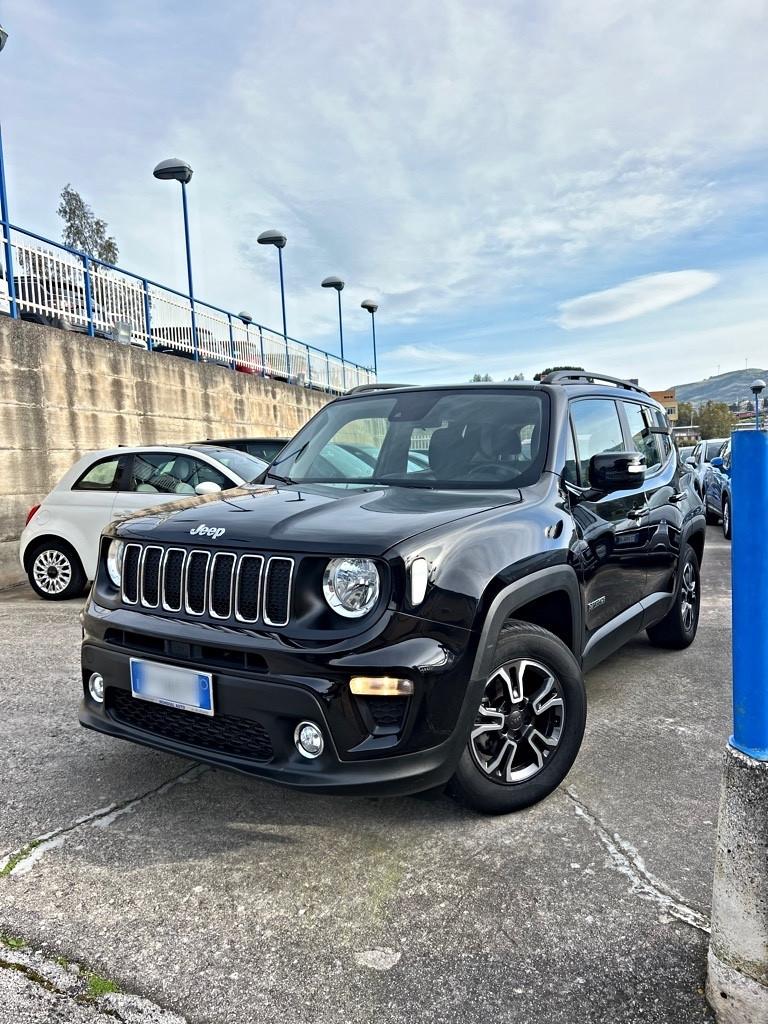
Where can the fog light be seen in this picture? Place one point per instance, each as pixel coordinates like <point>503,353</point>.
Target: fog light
<point>380,686</point>
<point>308,740</point>
<point>96,687</point>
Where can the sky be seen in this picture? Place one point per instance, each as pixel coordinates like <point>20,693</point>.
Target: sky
<point>517,184</point>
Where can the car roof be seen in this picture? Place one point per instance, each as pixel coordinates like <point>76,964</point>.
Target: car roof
<point>570,388</point>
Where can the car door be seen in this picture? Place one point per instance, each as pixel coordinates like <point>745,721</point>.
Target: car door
<point>159,477</point>
<point>81,512</point>
<point>610,537</point>
<point>715,480</point>
<point>662,520</point>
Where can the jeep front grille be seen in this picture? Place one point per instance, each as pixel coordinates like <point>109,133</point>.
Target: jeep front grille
<point>222,585</point>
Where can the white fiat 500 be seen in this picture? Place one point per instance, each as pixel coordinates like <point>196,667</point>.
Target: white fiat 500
<point>60,542</point>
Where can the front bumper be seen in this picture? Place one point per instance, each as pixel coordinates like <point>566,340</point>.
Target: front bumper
<point>291,686</point>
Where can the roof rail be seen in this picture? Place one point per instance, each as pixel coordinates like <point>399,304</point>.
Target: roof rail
<point>584,377</point>
<point>373,387</point>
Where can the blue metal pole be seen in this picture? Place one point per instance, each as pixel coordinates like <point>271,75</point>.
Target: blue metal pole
<point>147,315</point>
<point>189,270</point>
<point>282,290</point>
<point>231,343</point>
<point>88,296</point>
<point>341,340</point>
<point>261,350</point>
<point>749,570</point>
<point>6,228</point>
<point>373,328</point>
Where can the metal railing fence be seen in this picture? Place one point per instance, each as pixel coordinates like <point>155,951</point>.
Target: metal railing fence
<point>54,284</point>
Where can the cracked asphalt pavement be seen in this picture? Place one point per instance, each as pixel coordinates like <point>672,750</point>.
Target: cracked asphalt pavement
<point>207,897</point>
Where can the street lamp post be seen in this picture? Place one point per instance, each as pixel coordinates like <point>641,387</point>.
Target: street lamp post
<point>5,224</point>
<point>278,239</point>
<point>178,170</point>
<point>338,284</point>
<point>372,306</point>
<point>757,387</point>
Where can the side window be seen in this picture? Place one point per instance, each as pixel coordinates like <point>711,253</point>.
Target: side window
<point>571,466</point>
<point>643,440</point>
<point>102,476</point>
<point>598,429</point>
<point>167,473</point>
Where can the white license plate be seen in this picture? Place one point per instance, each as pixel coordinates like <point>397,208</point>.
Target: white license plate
<point>175,687</point>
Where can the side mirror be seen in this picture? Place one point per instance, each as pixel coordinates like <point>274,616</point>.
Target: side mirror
<point>207,487</point>
<point>690,462</point>
<point>717,462</point>
<point>616,471</point>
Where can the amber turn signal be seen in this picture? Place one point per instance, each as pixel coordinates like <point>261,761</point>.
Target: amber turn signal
<point>380,686</point>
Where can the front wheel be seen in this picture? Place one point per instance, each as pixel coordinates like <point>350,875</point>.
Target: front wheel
<point>726,518</point>
<point>529,726</point>
<point>55,572</point>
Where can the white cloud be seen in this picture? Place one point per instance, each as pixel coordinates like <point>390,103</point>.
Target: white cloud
<point>420,354</point>
<point>634,298</point>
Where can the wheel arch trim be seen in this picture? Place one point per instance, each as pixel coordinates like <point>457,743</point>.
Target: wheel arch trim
<point>538,584</point>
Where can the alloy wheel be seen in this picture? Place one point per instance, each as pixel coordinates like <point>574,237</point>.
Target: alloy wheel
<point>688,595</point>
<point>52,571</point>
<point>726,518</point>
<point>519,723</point>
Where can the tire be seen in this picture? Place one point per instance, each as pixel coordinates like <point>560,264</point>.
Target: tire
<point>712,517</point>
<point>55,572</point>
<point>727,524</point>
<point>677,629</point>
<point>512,762</point>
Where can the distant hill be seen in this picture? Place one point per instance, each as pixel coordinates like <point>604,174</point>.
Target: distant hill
<point>725,387</point>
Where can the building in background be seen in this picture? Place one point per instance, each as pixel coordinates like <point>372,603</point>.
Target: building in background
<point>668,399</point>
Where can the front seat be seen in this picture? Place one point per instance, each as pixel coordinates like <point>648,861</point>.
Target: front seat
<point>183,470</point>
<point>448,455</point>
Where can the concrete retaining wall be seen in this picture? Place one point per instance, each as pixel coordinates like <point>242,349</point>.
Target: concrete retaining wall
<point>64,394</point>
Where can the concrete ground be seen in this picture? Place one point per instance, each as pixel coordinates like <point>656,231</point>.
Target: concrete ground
<point>220,899</point>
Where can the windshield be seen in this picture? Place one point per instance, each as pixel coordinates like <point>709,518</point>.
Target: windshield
<point>246,466</point>
<point>713,449</point>
<point>466,438</point>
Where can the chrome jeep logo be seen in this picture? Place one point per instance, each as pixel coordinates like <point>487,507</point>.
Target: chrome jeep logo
<point>207,531</point>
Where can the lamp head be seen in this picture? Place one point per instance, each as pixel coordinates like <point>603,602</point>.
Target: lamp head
<point>173,170</point>
<point>332,282</point>
<point>272,237</point>
<point>370,305</point>
<point>757,386</point>
<point>3,37</point>
<point>245,317</point>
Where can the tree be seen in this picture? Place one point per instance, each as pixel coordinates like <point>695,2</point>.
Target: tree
<point>83,230</point>
<point>554,369</point>
<point>484,378</point>
<point>715,420</point>
<point>685,414</point>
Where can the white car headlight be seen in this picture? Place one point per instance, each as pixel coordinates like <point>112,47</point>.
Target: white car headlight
<point>115,561</point>
<point>351,586</point>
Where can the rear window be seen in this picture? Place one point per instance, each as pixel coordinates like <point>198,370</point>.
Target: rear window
<point>101,476</point>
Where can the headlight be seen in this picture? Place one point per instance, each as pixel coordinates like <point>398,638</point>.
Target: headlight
<point>351,586</point>
<point>115,562</point>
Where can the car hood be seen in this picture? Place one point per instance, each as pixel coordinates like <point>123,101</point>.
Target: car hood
<point>308,518</point>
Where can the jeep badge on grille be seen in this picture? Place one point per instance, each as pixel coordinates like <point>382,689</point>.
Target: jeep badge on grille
<point>207,531</point>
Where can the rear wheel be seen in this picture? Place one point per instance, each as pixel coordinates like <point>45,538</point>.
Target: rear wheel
<point>678,627</point>
<point>726,518</point>
<point>55,572</point>
<point>712,516</point>
<point>529,726</point>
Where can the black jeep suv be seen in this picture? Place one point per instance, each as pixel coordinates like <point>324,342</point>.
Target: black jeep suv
<point>410,598</point>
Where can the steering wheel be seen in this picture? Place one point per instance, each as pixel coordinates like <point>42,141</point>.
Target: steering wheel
<point>495,469</point>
